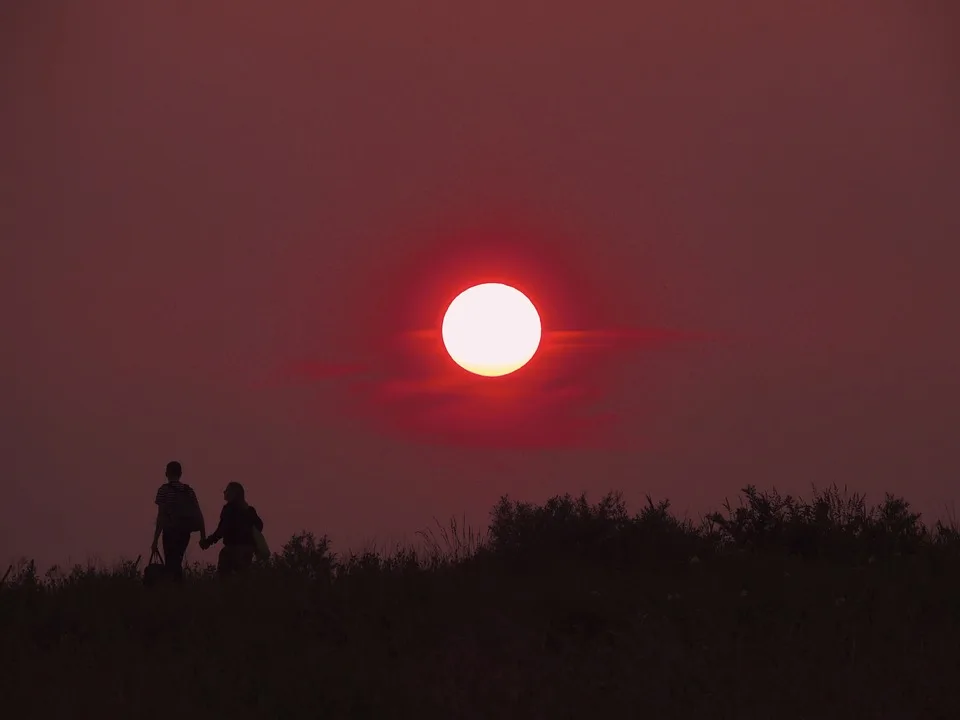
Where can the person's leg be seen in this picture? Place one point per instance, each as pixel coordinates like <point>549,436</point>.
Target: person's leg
<point>174,548</point>
<point>244,558</point>
<point>224,564</point>
<point>182,551</point>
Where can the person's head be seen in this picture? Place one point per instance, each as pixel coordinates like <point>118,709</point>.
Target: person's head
<point>174,471</point>
<point>234,493</point>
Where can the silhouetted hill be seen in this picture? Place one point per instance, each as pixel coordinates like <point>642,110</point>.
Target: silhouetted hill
<point>776,607</point>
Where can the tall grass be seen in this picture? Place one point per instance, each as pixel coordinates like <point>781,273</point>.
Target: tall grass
<point>450,544</point>
<point>773,606</point>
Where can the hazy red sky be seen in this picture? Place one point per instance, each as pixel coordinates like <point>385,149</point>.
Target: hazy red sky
<point>228,229</point>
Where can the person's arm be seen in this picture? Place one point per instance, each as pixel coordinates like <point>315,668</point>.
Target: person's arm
<point>203,527</point>
<point>157,528</point>
<point>257,522</point>
<point>215,536</point>
<point>158,524</point>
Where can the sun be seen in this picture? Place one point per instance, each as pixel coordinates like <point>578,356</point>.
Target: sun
<point>491,329</point>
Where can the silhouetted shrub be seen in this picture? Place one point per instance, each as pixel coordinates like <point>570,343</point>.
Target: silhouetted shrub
<point>563,527</point>
<point>613,611</point>
<point>306,556</point>
<point>834,524</point>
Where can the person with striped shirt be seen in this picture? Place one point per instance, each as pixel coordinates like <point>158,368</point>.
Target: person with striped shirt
<point>178,515</point>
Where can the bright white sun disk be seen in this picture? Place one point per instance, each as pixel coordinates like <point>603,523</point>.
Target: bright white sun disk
<point>491,329</point>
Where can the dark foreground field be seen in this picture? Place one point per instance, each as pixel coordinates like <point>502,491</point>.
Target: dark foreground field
<point>778,609</point>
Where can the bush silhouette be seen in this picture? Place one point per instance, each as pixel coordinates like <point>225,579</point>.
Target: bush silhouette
<point>306,556</point>
<point>568,608</point>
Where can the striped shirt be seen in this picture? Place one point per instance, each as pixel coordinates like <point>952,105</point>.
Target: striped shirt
<point>176,501</point>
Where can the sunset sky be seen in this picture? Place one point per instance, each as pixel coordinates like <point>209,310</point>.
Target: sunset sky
<point>230,229</point>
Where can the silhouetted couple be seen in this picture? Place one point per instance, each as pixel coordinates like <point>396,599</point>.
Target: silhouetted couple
<point>179,516</point>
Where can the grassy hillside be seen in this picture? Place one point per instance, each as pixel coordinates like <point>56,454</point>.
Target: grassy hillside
<point>774,608</point>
